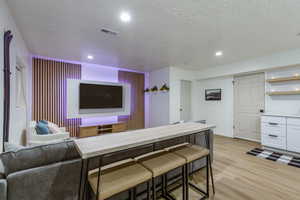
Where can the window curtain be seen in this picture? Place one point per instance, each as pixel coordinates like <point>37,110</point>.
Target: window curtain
<point>6,105</point>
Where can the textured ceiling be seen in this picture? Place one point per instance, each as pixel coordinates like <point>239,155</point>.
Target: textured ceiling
<point>162,32</point>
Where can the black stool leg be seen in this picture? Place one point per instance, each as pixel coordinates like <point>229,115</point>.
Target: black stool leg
<point>207,176</point>
<point>187,181</point>
<point>153,189</point>
<point>131,194</point>
<point>211,175</point>
<point>183,183</point>
<point>148,190</point>
<point>163,185</point>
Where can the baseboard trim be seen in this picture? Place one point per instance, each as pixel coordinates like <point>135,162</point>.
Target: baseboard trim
<point>248,139</point>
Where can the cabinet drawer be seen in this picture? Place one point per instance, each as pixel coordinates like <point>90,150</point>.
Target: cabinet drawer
<point>274,141</point>
<point>119,127</point>
<point>273,120</point>
<point>293,138</point>
<point>293,121</point>
<point>278,130</point>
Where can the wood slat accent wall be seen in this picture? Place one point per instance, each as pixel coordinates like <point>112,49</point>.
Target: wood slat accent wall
<point>137,81</point>
<point>49,82</point>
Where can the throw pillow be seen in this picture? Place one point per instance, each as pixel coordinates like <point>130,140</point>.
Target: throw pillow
<point>43,121</point>
<point>42,128</point>
<point>54,129</point>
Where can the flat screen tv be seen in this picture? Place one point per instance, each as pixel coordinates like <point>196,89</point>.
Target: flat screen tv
<point>92,96</point>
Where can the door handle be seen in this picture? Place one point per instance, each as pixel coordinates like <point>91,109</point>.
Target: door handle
<point>273,124</point>
<point>275,136</point>
<point>261,110</point>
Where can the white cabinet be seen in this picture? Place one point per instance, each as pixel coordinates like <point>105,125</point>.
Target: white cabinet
<point>293,135</point>
<point>281,132</point>
<point>273,132</point>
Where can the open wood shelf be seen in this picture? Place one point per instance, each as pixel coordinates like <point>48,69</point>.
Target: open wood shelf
<point>98,129</point>
<point>295,92</point>
<point>284,79</point>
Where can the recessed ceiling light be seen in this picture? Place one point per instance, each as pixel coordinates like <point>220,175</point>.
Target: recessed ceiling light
<point>125,17</point>
<point>90,57</point>
<point>219,53</point>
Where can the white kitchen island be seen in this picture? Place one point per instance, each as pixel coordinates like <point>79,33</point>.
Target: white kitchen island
<point>108,143</point>
<point>126,144</point>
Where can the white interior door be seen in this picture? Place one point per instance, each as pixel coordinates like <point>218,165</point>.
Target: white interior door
<point>249,100</point>
<point>185,100</point>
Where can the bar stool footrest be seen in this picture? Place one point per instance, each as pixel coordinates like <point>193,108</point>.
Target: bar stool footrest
<point>199,190</point>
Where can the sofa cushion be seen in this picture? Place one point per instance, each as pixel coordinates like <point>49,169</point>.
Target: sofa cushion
<point>38,156</point>
<point>58,181</point>
<point>3,189</point>
<point>2,172</point>
<point>12,147</point>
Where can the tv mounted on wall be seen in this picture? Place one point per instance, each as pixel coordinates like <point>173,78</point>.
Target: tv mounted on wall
<point>94,96</point>
<point>213,94</point>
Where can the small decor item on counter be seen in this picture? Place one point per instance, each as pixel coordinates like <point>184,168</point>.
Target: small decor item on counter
<point>164,88</point>
<point>154,89</point>
<point>147,90</point>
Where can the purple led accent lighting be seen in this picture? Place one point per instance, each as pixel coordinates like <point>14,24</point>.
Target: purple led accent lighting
<point>97,120</point>
<point>110,75</point>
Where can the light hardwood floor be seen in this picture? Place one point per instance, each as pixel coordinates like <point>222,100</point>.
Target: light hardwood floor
<point>239,176</point>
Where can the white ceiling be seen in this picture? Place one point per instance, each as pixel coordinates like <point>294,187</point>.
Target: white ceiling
<point>162,33</point>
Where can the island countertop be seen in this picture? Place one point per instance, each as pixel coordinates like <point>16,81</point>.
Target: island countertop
<point>108,143</point>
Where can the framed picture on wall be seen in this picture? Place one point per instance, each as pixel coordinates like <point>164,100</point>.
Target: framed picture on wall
<point>213,94</point>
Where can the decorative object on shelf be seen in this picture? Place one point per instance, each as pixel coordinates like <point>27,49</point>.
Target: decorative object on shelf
<point>164,88</point>
<point>213,94</point>
<point>147,90</point>
<point>154,89</point>
<point>6,86</point>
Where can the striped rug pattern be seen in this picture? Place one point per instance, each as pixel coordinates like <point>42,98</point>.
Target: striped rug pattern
<point>276,157</point>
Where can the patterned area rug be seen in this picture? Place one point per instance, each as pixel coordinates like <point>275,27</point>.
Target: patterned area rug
<point>277,157</point>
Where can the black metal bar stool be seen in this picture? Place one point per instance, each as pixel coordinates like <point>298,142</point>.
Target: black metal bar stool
<point>192,153</point>
<point>159,163</point>
<point>118,177</point>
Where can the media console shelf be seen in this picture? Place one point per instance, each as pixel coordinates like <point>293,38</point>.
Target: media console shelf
<point>101,128</point>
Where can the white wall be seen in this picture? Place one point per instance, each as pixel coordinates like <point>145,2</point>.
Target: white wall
<point>102,73</point>
<point>264,63</point>
<point>219,113</point>
<point>20,54</point>
<point>158,101</point>
<point>279,64</point>
<point>285,104</point>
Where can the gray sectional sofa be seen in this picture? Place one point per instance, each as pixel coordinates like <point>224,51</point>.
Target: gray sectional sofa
<point>48,172</point>
<point>52,172</point>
